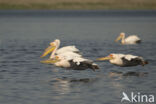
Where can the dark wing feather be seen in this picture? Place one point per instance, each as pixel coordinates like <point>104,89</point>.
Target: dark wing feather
<point>83,65</point>
<point>132,62</point>
<point>138,41</point>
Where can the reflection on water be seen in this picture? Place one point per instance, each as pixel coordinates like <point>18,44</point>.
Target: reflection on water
<point>127,74</point>
<point>64,85</point>
<point>61,86</point>
<point>84,80</point>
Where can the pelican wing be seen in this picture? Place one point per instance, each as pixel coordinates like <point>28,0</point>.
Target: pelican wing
<point>130,57</point>
<point>69,55</point>
<point>132,61</point>
<point>82,63</point>
<point>132,39</point>
<point>67,49</point>
<point>77,62</point>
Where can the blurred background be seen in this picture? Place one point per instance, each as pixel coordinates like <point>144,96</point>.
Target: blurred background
<point>78,4</point>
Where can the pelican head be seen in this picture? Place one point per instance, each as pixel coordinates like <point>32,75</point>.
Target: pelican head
<point>110,57</point>
<point>57,41</point>
<point>50,49</point>
<point>122,35</point>
<point>51,61</point>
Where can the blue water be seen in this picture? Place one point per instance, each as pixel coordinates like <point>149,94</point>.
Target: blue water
<point>25,34</point>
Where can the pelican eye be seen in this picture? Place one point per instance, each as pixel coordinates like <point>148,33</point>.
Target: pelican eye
<point>111,56</point>
<point>57,57</point>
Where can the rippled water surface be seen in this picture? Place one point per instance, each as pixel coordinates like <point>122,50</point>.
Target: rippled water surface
<point>24,80</point>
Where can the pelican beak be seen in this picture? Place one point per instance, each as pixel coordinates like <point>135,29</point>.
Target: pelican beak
<point>118,38</point>
<point>104,58</point>
<point>48,50</point>
<point>49,61</point>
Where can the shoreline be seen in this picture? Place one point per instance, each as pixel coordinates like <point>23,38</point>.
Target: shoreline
<point>78,13</point>
<point>77,4</point>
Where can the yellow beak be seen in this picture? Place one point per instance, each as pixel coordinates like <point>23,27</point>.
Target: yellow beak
<point>104,58</point>
<point>49,61</point>
<point>118,38</point>
<point>48,50</point>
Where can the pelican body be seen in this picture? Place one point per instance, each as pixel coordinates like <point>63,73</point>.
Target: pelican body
<point>78,63</point>
<point>67,57</point>
<point>124,60</point>
<point>132,39</point>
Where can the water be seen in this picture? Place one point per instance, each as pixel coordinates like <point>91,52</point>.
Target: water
<point>24,36</point>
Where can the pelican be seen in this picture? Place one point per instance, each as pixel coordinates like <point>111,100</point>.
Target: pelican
<point>124,60</point>
<point>67,57</point>
<point>54,47</point>
<point>132,39</point>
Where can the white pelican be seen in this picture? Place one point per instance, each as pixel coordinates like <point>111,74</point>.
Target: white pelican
<point>54,47</point>
<point>67,57</point>
<point>124,60</point>
<point>132,39</point>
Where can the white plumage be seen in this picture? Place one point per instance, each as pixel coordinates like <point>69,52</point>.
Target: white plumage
<point>124,59</point>
<point>64,50</point>
<point>78,60</point>
<point>132,39</point>
<point>67,49</point>
<point>67,57</point>
<point>67,61</point>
